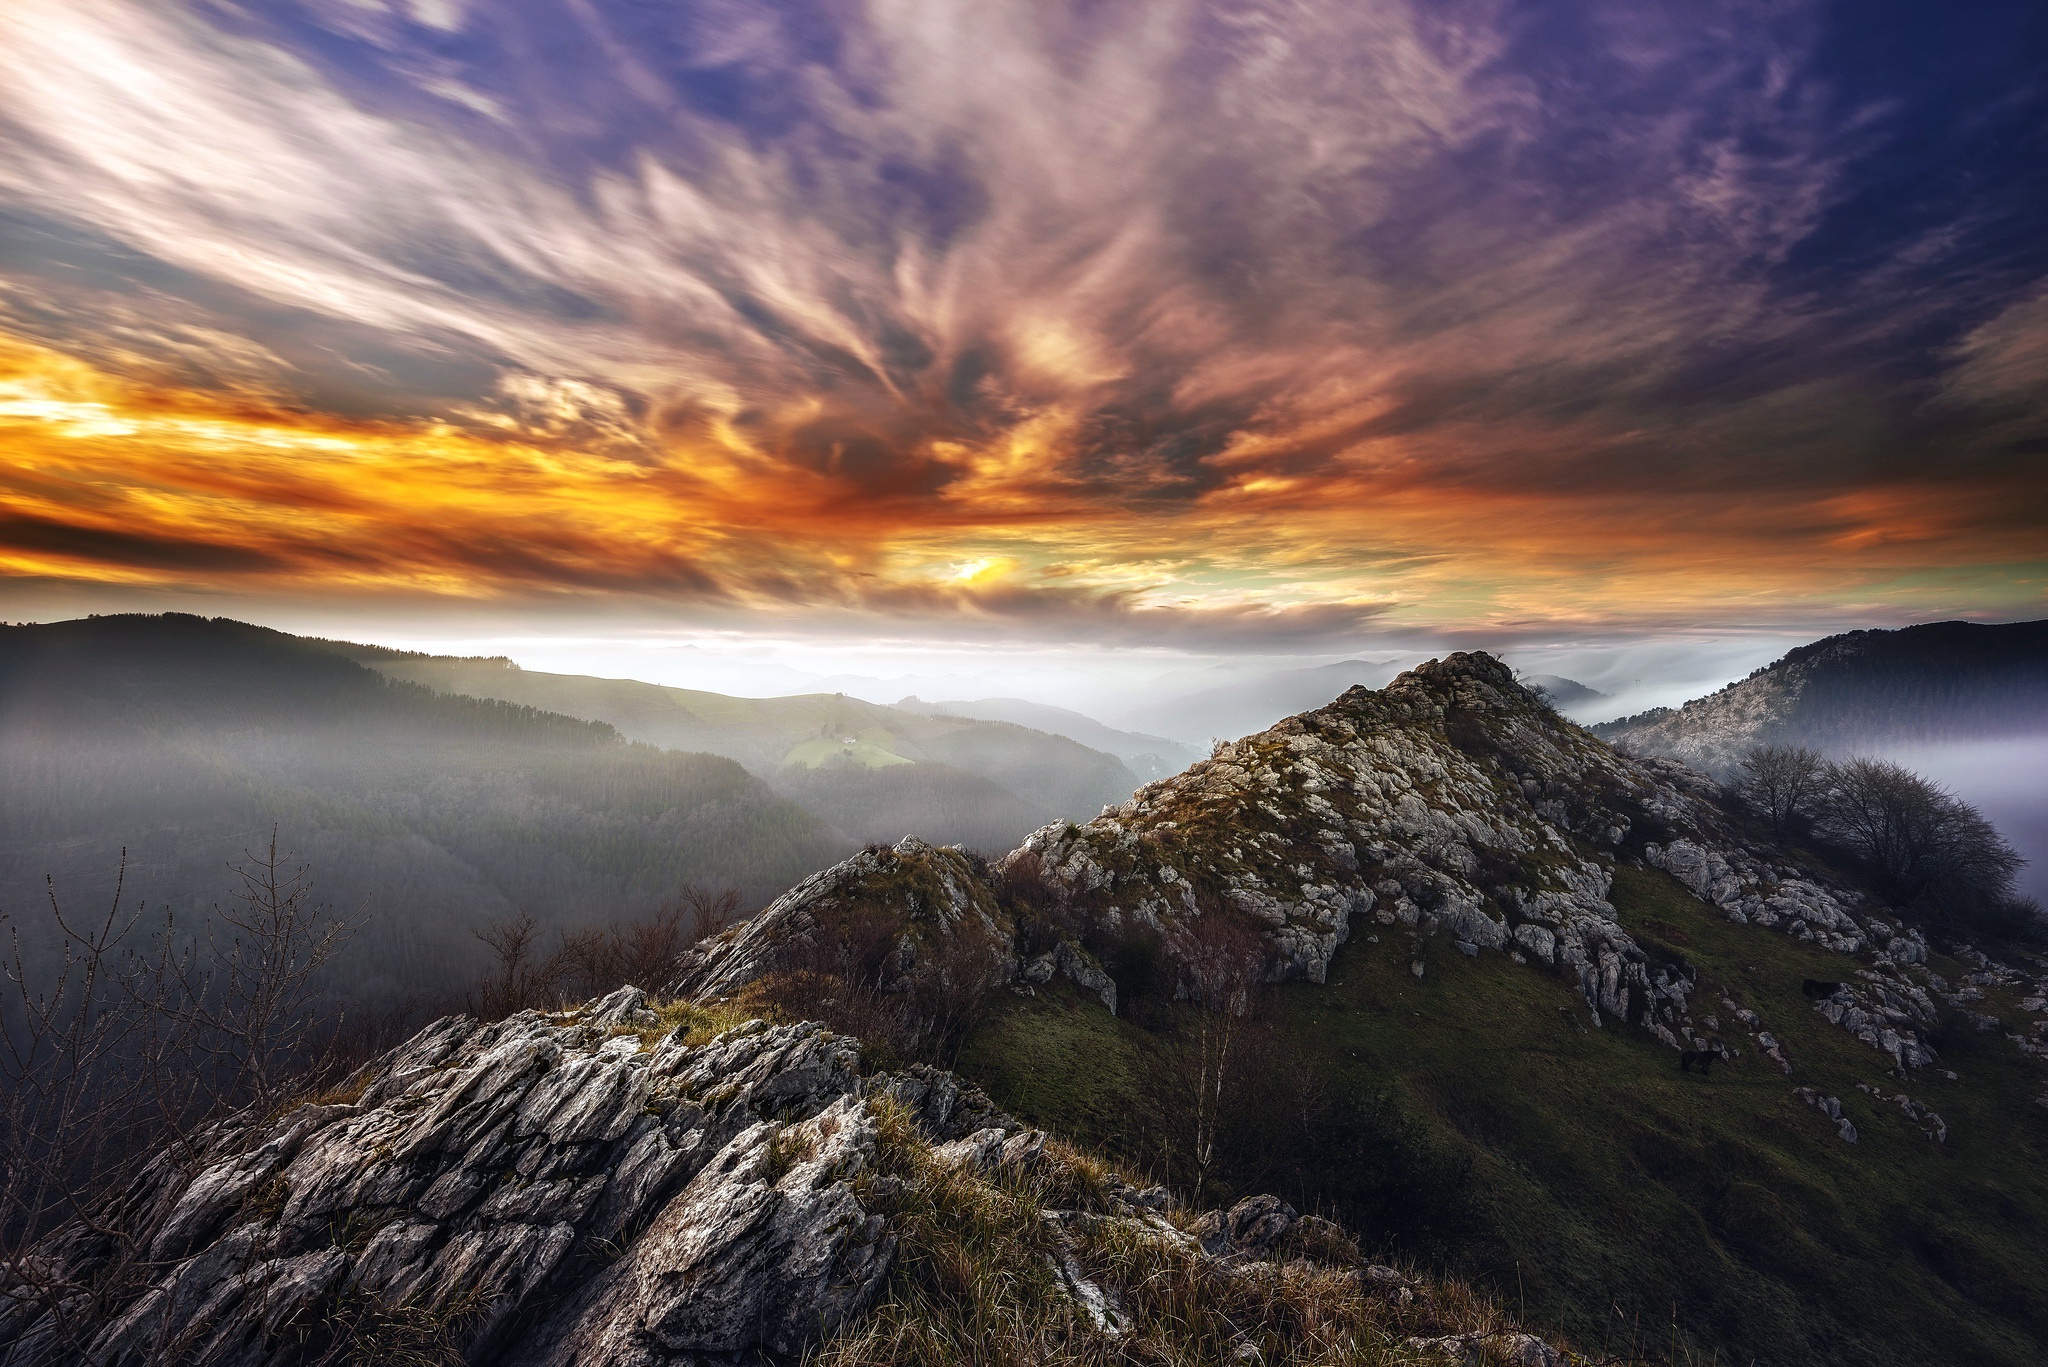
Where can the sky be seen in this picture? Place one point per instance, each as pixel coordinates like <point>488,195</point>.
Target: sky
<point>820,338</point>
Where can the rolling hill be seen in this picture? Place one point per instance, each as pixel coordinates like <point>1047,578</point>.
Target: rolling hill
<point>863,766</point>
<point>1149,757</point>
<point>183,740</point>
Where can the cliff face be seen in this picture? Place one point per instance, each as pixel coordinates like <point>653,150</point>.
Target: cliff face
<point>1451,802</point>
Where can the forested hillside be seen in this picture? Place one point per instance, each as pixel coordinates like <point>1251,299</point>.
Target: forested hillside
<point>1942,682</point>
<point>868,768</point>
<point>185,740</point>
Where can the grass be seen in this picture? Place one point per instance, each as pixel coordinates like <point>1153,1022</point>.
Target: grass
<point>870,748</point>
<point>1580,1170</point>
<point>357,1328</point>
<point>699,1023</point>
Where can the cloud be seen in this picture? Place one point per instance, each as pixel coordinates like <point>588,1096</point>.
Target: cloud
<point>70,541</point>
<point>1308,314</point>
<point>2002,364</point>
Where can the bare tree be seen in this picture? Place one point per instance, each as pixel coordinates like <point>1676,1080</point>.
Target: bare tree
<point>116,1048</point>
<point>524,977</point>
<point>1783,781</point>
<point>248,1002</point>
<point>1921,842</point>
<point>709,910</point>
<point>1221,962</point>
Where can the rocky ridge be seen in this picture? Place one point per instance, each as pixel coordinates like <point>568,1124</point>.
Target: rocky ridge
<point>1452,802</point>
<point>601,1187</point>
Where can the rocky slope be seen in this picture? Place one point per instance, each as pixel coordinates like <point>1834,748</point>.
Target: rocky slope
<point>1940,682</point>
<point>620,1185</point>
<point>1452,802</point>
<point>607,1187</point>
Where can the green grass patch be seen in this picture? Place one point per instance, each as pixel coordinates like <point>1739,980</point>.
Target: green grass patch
<point>870,749</point>
<point>1475,1119</point>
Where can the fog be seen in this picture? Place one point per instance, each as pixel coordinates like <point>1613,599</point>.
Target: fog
<point>1117,685</point>
<point>2007,779</point>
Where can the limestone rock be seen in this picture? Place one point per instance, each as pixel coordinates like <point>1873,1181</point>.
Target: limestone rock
<point>931,894</point>
<point>624,1206</point>
<point>1252,1228</point>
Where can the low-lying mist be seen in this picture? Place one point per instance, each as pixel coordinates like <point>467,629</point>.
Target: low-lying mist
<point>2007,779</point>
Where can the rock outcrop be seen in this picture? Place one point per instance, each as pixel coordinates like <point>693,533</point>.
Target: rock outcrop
<point>601,1188</point>
<point>923,896</point>
<point>545,1190</point>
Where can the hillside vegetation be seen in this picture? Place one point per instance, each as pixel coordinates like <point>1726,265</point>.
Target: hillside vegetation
<point>1863,690</point>
<point>186,741</point>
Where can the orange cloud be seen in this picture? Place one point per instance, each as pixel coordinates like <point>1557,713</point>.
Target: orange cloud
<point>105,481</point>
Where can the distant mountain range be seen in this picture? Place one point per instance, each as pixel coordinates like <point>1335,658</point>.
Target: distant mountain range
<point>1942,682</point>
<point>183,740</point>
<point>875,772</point>
<point>1149,757</point>
<point>1243,706</point>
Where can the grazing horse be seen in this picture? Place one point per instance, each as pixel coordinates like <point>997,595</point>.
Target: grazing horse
<point>1815,988</point>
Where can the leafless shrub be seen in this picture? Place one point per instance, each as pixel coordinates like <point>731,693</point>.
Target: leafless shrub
<point>524,977</point>
<point>1783,782</point>
<point>950,986</point>
<point>588,963</point>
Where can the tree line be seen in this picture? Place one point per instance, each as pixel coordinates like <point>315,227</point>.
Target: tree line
<point>1925,849</point>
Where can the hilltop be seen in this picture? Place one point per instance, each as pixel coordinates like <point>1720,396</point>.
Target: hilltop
<point>1500,1004</point>
<point>1945,681</point>
<point>1487,940</point>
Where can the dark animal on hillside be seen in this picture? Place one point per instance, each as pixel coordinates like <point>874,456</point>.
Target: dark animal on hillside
<point>1702,1057</point>
<point>1815,988</point>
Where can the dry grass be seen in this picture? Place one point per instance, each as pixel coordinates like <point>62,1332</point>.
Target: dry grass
<point>412,1333</point>
<point>699,1022</point>
<point>977,1281</point>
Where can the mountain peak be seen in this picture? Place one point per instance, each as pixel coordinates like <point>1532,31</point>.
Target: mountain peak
<point>1451,803</point>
